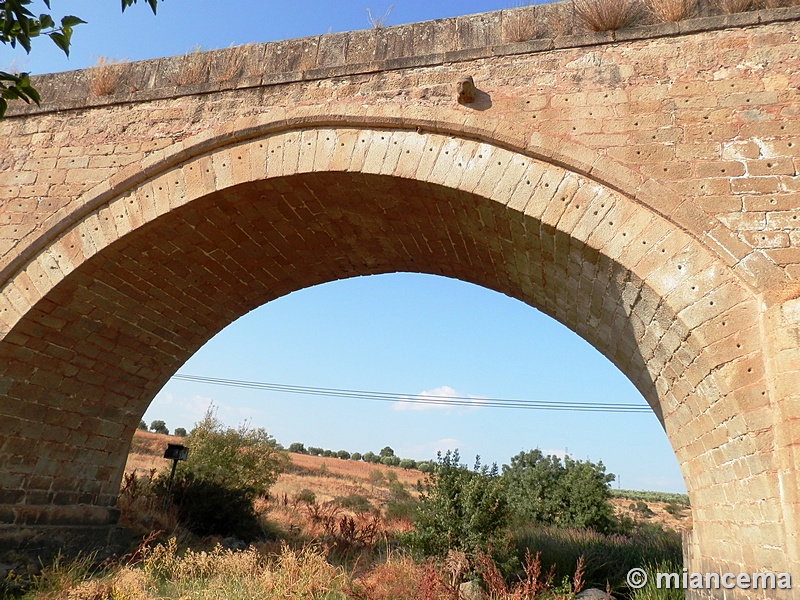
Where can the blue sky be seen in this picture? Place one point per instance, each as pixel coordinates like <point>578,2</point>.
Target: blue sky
<point>394,333</point>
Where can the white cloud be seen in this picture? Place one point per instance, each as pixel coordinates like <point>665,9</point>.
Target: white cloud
<point>441,398</point>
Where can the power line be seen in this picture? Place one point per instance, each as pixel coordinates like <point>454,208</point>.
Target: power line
<point>419,398</point>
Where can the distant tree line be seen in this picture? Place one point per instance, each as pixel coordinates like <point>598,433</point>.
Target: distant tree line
<point>385,457</point>
<point>159,426</point>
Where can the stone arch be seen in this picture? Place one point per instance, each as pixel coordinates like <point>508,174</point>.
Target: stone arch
<point>98,317</point>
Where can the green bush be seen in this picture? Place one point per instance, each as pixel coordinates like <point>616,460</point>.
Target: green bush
<point>607,557</point>
<point>241,458</point>
<point>407,463</point>
<point>425,466</point>
<point>354,502</point>
<point>401,509</point>
<point>226,470</point>
<point>298,448</point>
<point>314,451</point>
<point>572,493</point>
<point>376,477</point>
<point>461,509</point>
<point>640,506</point>
<point>306,496</point>
<point>210,508</point>
<point>355,456</point>
<point>398,491</point>
<point>343,454</point>
<point>676,510</point>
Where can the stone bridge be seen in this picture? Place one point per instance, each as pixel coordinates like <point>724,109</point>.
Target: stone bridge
<point>641,187</point>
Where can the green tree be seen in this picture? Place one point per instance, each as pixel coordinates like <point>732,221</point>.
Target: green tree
<point>237,458</point>
<point>159,426</point>
<point>461,508</point>
<point>355,456</point>
<point>343,454</point>
<point>18,25</point>
<point>568,493</point>
<point>142,425</point>
<point>386,451</point>
<point>371,457</point>
<point>180,432</point>
<point>297,448</point>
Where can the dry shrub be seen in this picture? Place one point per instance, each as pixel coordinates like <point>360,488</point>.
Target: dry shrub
<point>215,65</point>
<point>607,15</point>
<point>141,508</point>
<point>670,11</point>
<point>521,25</point>
<point>402,578</point>
<point>105,76</point>
<point>194,68</point>
<point>302,574</point>
<point>778,3</point>
<point>91,589</point>
<point>730,7</point>
<point>342,534</point>
<point>223,573</point>
<point>378,21</point>
<point>229,63</point>
<point>532,585</point>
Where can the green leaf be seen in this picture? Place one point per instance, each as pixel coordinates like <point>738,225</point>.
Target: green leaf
<point>71,21</point>
<point>61,40</point>
<point>3,107</point>
<point>25,42</point>
<point>46,21</point>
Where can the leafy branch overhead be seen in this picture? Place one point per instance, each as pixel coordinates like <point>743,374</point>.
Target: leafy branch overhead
<point>18,25</point>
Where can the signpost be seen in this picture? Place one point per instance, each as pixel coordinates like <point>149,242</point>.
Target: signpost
<point>175,452</point>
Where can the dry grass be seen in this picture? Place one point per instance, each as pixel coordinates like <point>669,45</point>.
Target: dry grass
<point>105,76</point>
<point>671,11</point>
<point>379,21</point>
<point>730,7</point>
<point>194,68</point>
<point>607,15</point>
<point>402,578</point>
<point>519,25</point>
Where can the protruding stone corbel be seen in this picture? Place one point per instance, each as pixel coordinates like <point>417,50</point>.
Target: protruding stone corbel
<point>466,90</point>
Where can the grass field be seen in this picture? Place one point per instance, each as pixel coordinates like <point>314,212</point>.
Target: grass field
<point>335,529</point>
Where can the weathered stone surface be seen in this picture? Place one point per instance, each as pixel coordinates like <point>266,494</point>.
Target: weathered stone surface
<point>641,190</point>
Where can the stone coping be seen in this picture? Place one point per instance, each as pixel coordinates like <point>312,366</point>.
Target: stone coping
<point>459,39</point>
